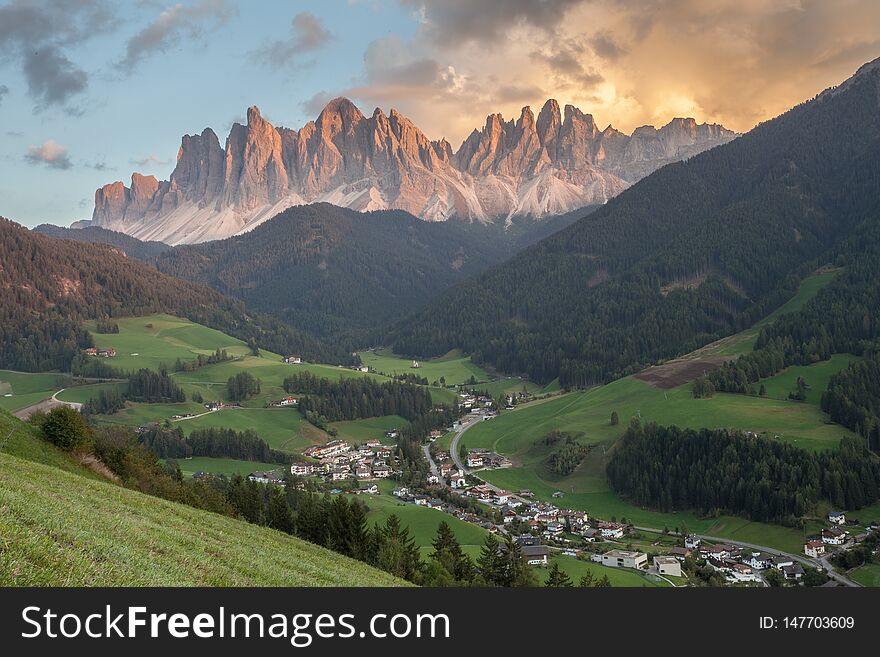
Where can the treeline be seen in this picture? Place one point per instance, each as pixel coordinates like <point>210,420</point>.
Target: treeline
<point>567,453</point>
<point>853,398</point>
<point>357,397</point>
<point>214,442</point>
<point>697,250</point>
<point>48,287</point>
<point>219,356</point>
<point>107,326</point>
<point>242,386</point>
<point>154,388</point>
<point>720,471</point>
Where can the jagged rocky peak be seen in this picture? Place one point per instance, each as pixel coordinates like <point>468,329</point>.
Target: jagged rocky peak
<point>552,163</point>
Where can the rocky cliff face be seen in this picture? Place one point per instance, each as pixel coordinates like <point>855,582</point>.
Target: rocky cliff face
<point>540,166</point>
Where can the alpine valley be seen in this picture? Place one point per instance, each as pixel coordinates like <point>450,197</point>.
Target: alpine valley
<point>350,355</point>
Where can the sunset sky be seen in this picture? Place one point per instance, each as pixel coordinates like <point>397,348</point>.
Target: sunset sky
<point>91,90</point>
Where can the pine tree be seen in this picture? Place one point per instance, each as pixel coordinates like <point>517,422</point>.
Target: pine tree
<point>557,578</point>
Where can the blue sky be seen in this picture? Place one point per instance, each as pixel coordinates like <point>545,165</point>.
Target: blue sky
<point>91,90</point>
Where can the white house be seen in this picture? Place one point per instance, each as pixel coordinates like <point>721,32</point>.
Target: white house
<point>814,549</point>
<point>474,460</point>
<point>301,469</point>
<point>837,517</point>
<point>403,491</point>
<point>293,360</point>
<point>625,559</point>
<point>691,541</point>
<point>457,480</point>
<point>668,566</point>
<point>834,536</point>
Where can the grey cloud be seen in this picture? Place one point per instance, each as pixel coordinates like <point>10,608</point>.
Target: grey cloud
<point>316,103</point>
<point>51,76</point>
<point>51,154</point>
<point>307,34</point>
<point>37,33</point>
<point>605,46</point>
<point>459,21</point>
<point>166,30</point>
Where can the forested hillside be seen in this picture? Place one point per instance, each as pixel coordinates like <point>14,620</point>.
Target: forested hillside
<point>131,246</point>
<point>49,286</point>
<point>329,270</point>
<point>695,251</point>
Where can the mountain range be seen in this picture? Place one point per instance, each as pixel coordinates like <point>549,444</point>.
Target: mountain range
<point>534,166</point>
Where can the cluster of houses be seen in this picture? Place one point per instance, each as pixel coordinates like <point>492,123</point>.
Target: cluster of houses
<point>832,538</point>
<point>472,402</point>
<point>338,460</point>
<point>109,352</point>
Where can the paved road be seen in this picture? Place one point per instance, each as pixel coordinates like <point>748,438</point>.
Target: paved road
<point>427,450</point>
<point>46,405</point>
<point>453,446</point>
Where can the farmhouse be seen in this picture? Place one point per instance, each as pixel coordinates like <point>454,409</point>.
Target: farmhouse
<point>457,481</point>
<point>403,491</point>
<point>814,549</point>
<point>266,478</point>
<point>293,360</point>
<point>793,572</point>
<point>536,555</point>
<point>834,536</point>
<point>759,560</point>
<point>91,351</point>
<point>625,559</point>
<point>782,562</point>
<point>109,352</point>
<point>381,471</point>
<point>837,517</point>
<point>668,566</point>
<point>740,572</point>
<point>474,460</point>
<point>691,541</point>
<point>285,401</point>
<point>680,553</point>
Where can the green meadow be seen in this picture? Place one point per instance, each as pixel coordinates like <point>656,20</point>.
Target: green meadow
<point>156,340</point>
<point>283,428</point>
<point>619,577</point>
<point>19,390</point>
<point>454,367</point>
<point>867,575</point>
<point>816,376</point>
<point>360,431</point>
<point>226,467</point>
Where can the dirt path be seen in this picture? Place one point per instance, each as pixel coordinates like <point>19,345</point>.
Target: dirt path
<point>46,405</point>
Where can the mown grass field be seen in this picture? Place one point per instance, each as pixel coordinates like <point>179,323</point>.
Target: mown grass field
<point>867,575</point>
<point>82,394</point>
<point>226,467</point>
<point>282,428</point>
<point>360,431</point>
<point>156,340</point>
<point>816,376</point>
<point>454,367</point>
<point>20,390</point>
<point>62,525</point>
<point>422,521</point>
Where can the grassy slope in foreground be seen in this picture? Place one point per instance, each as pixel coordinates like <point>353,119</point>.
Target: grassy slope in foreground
<point>65,529</point>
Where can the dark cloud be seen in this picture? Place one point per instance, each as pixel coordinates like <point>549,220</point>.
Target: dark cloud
<point>565,60</point>
<point>459,21</point>
<point>38,34</point>
<point>307,34</point>
<point>166,30</point>
<point>51,154</point>
<point>51,76</point>
<point>606,46</point>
